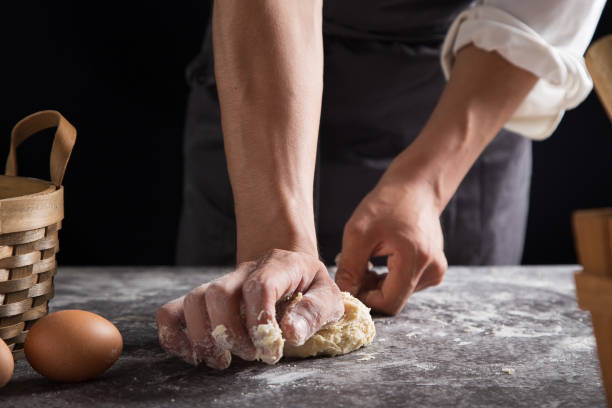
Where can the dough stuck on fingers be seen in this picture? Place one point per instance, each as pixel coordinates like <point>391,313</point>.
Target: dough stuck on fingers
<point>266,337</point>
<point>268,341</point>
<point>354,330</point>
<point>221,337</point>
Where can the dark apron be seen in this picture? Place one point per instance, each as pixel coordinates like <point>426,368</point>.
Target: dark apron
<point>382,79</point>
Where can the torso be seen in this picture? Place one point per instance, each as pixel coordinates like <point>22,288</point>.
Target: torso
<point>408,21</point>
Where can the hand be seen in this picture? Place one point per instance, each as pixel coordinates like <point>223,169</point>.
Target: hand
<point>236,314</point>
<point>400,217</point>
<point>400,220</point>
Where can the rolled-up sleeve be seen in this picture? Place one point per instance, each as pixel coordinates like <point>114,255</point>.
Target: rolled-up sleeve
<point>545,37</point>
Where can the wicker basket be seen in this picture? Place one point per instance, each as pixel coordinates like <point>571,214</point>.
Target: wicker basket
<point>31,211</point>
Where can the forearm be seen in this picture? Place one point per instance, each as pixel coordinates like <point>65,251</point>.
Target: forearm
<point>482,93</point>
<point>269,71</point>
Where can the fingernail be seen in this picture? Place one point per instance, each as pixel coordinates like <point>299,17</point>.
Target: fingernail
<point>219,359</point>
<point>220,362</point>
<point>301,329</point>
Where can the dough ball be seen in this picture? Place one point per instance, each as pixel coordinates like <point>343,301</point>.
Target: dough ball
<point>354,330</point>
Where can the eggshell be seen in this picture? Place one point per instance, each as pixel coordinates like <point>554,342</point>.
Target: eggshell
<point>7,365</point>
<point>72,345</point>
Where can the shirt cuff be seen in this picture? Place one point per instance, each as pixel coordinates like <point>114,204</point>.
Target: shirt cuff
<point>564,80</point>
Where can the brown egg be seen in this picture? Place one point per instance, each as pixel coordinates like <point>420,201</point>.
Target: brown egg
<point>7,365</point>
<point>72,345</point>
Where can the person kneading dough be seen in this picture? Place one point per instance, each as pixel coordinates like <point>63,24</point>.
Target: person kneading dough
<point>388,128</point>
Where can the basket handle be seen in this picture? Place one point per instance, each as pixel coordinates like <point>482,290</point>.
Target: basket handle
<point>63,142</point>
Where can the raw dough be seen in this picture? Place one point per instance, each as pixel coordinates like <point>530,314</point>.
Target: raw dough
<point>268,340</point>
<point>354,330</point>
<point>221,337</point>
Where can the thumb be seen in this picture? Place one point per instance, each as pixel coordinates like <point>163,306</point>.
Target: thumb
<point>320,305</point>
<point>353,261</point>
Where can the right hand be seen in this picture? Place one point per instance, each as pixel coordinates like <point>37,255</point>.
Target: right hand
<point>398,219</point>
<point>244,302</point>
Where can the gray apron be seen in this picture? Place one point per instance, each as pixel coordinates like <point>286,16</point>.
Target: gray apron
<point>382,79</point>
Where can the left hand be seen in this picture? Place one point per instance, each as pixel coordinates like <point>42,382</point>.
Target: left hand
<point>242,304</point>
<point>400,220</point>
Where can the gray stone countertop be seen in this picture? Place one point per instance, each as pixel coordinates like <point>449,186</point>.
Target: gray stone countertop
<point>511,337</point>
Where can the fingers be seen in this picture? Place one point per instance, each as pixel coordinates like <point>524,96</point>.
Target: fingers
<point>395,288</point>
<point>433,274</point>
<point>372,280</point>
<point>320,305</point>
<point>171,331</point>
<point>278,275</point>
<point>223,299</point>
<point>410,269</point>
<point>357,247</point>
<point>199,331</point>
<point>237,313</point>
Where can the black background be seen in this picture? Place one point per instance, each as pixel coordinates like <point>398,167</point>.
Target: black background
<point>117,73</point>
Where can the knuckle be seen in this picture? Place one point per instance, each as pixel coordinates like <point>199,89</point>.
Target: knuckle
<point>162,316</point>
<point>392,308</point>
<point>217,292</point>
<point>255,286</point>
<point>321,270</point>
<point>437,279</point>
<point>248,265</point>
<point>419,246</point>
<point>193,298</point>
<point>275,253</point>
<point>439,271</point>
<point>344,274</point>
<point>189,299</point>
<point>423,255</point>
<point>443,263</point>
<point>335,290</point>
<point>355,228</point>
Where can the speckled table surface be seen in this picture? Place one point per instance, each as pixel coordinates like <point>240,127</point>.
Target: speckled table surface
<point>486,337</point>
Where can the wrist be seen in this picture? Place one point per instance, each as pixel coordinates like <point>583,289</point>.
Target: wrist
<point>288,226</point>
<point>436,162</point>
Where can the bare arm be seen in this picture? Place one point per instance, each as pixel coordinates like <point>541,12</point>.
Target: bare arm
<point>400,217</point>
<point>481,95</point>
<point>269,70</point>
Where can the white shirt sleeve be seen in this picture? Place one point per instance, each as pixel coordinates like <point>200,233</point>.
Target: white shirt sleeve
<point>547,38</point>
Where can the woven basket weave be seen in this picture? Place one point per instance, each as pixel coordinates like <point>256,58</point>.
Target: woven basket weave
<point>31,211</point>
